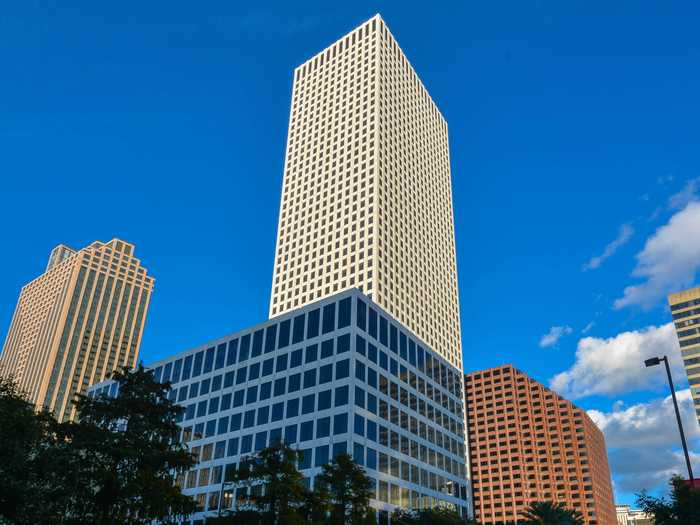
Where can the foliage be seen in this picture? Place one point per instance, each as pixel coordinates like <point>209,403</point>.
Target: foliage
<point>115,465</point>
<point>683,507</point>
<point>550,513</point>
<point>349,489</point>
<point>435,516</point>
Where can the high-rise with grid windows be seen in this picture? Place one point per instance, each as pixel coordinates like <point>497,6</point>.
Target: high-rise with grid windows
<point>77,322</point>
<point>367,197</point>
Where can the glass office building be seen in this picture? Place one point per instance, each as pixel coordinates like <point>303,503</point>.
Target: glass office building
<point>339,375</point>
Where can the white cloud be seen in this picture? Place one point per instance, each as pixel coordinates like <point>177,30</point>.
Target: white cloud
<point>669,260</point>
<point>644,443</point>
<point>688,194</point>
<point>552,337</point>
<point>616,365</point>
<point>588,327</point>
<point>623,236</point>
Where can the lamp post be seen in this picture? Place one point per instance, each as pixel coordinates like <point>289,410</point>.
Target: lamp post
<point>653,361</point>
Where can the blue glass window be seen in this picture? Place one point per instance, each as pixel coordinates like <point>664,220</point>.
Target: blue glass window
<point>235,422</point>
<point>228,378</point>
<point>359,425</point>
<point>371,459</point>
<point>393,339</point>
<point>290,434</point>
<point>225,402</point>
<point>342,369</point>
<point>344,312</point>
<point>372,324</point>
<point>182,394</point>
<point>394,367</point>
<point>280,386</point>
<point>323,427</point>
<point>361,314</point>
<point>263,415</point>
<point>267,367</point>
<point>265,390</point>
<point>223,425</point>
<point>281,363</point>
<point>383,360</point>
<point>252,395</point>
<point>232,352</point>
<point>257,343</point>
<point>321,456</point>
<point>177,368</point>
<point>278,411</point>
<point>270,336</point>
<point>311,353</point>
<point>238,398</point>
<point>189,411</point>
<point>305,458</point>
<point>275,436</point>
<point>260,441</point>
<point>310,378</point>
<point>232,447</point>
<point>254,372</point>
<point>204,386</point>
<point>201,408</point>
<point>340,424</point>
<point>372,352</point>
<point>298,330</point>
<point>284,334</point>
<point>307,403</point>
<point>249,419</point>
<point>359,397</point>
<point>295,359</point>
<point>340,448</point>
<point>211,428</point>
<point>241,375</point>
<point>220,356</point>
<point>209,360</point>
<point>371,430</point>
<point>360,345</point>
<point>360,370</point>
<point>187,367</point>
<point>372,377</point>
<point>306,431</point>
<point>326,348</point>
<point>329,318</point>
<point>166,372</point>
<point>213,405</point>
<point>158,374</point>
<point>324,399</point>
<point>198,431</point>
<point>421,359</point>
<point>343,343</point>
<point>216,383</point>
<point>383,331</point>
<point>293,407</point>
<point>313,323</point>
<point>294,382</point>
<point>412,352</point>
<point>341,396</point>
<point>325,374</point>
<point>244,350</point>
<point>246,444</point>
<point>358,454</point>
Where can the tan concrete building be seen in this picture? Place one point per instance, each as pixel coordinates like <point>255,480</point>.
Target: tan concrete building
<point>685,308</point>
<point>629,516</point>
<point>77,322</point>
<point>528,444</point>
<point>367,197</point>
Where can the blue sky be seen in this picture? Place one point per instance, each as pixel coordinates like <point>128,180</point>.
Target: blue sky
<point>574,126</point>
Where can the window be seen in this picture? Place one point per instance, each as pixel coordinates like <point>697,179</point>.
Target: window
<point>293,407</point>
<point>341,396</point>
<point>270,335</point>
<point>295,359</point>
<point>265,390</point>
<point>371,430</point>
<point>294,383</point>
<point>324,400</point>
<point>204,386</point>
<point>307,404</point>
<point>257,343</point>
<point>244,349</point>
<point>359,397</point>
<point>209,360</point>
<point>284,334</point>
<point>305,456</point>
<point>290,434</point>
<point>306,431</point>
<point>343,343</point>
<point>252,395</point>
<point>232,447</point>
<point>213,405</point>
<point>267,367</point>
<point>228,379</point>
<point>223,425</point>
<point>342,369</point>
<point>263,415</point>
<point>310,378</point>
<point>358,454</point>
<point>325,374</point>
<point>238,398</point>
<point>241,375</point>
<point>313,323</point>
<point>298,330</point>
<point>278,411</point>
<point>344,312</point>
<point>281,363</point>
<point>323,427</point>
<point>361,314</point>
<point>249,419</point>
<point>326,348</point>
<point>260,440</point>
<point>329,318</point>
<point>321,455</point>
<point>232,351</point>
<point>311,353</point>
<point>197,368</point>
<point>340,424</point>
<point>359,427</point>
<point>235,422</point>
<point>280,386</point>
<point>220,356</point>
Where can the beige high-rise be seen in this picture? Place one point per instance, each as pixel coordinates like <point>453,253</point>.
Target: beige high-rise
<point>685,308</point>
<point>76,323</point>
<point>367,196</point>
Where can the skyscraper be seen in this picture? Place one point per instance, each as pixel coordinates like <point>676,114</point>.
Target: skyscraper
<point>685,308</point>
<point>528,444</point>
<point>366,197</point>
<point>77,322</point>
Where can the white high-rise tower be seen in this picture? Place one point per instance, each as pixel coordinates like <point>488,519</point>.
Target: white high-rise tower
<point>367,197</point>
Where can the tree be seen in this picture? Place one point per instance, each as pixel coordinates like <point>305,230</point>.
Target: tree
<point>435,516</point>
<point>550,513</point>
<point>123,455</point>
<point>349,489</point>
<point>683,507</point>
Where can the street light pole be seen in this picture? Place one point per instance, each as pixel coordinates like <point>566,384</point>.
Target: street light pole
<point>653,362</point>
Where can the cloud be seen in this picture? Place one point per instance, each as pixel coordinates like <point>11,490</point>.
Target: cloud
<point>669,260</point>
<point>644,443</point>
<point>623,236</point>
<point>552,337</point>
<point>615,365</point>
<point>588,327</point>
<point>688,194</point>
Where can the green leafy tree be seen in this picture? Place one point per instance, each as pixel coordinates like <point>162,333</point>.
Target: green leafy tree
<point>683,508</point>
<point>349,490</point>
<point>122,455</point>
<point>316,507</point>
<point>550,513</point>
<point>435,516</point>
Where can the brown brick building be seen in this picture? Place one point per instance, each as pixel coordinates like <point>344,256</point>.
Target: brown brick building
<point>527,443</point>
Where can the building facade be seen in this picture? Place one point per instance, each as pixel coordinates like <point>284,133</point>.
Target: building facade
<point>366,195</point>
<point>629,516</point>
<point>77,322</point>
<point>338,375</point>
<point>526,444</point>
<point>685,308</point>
